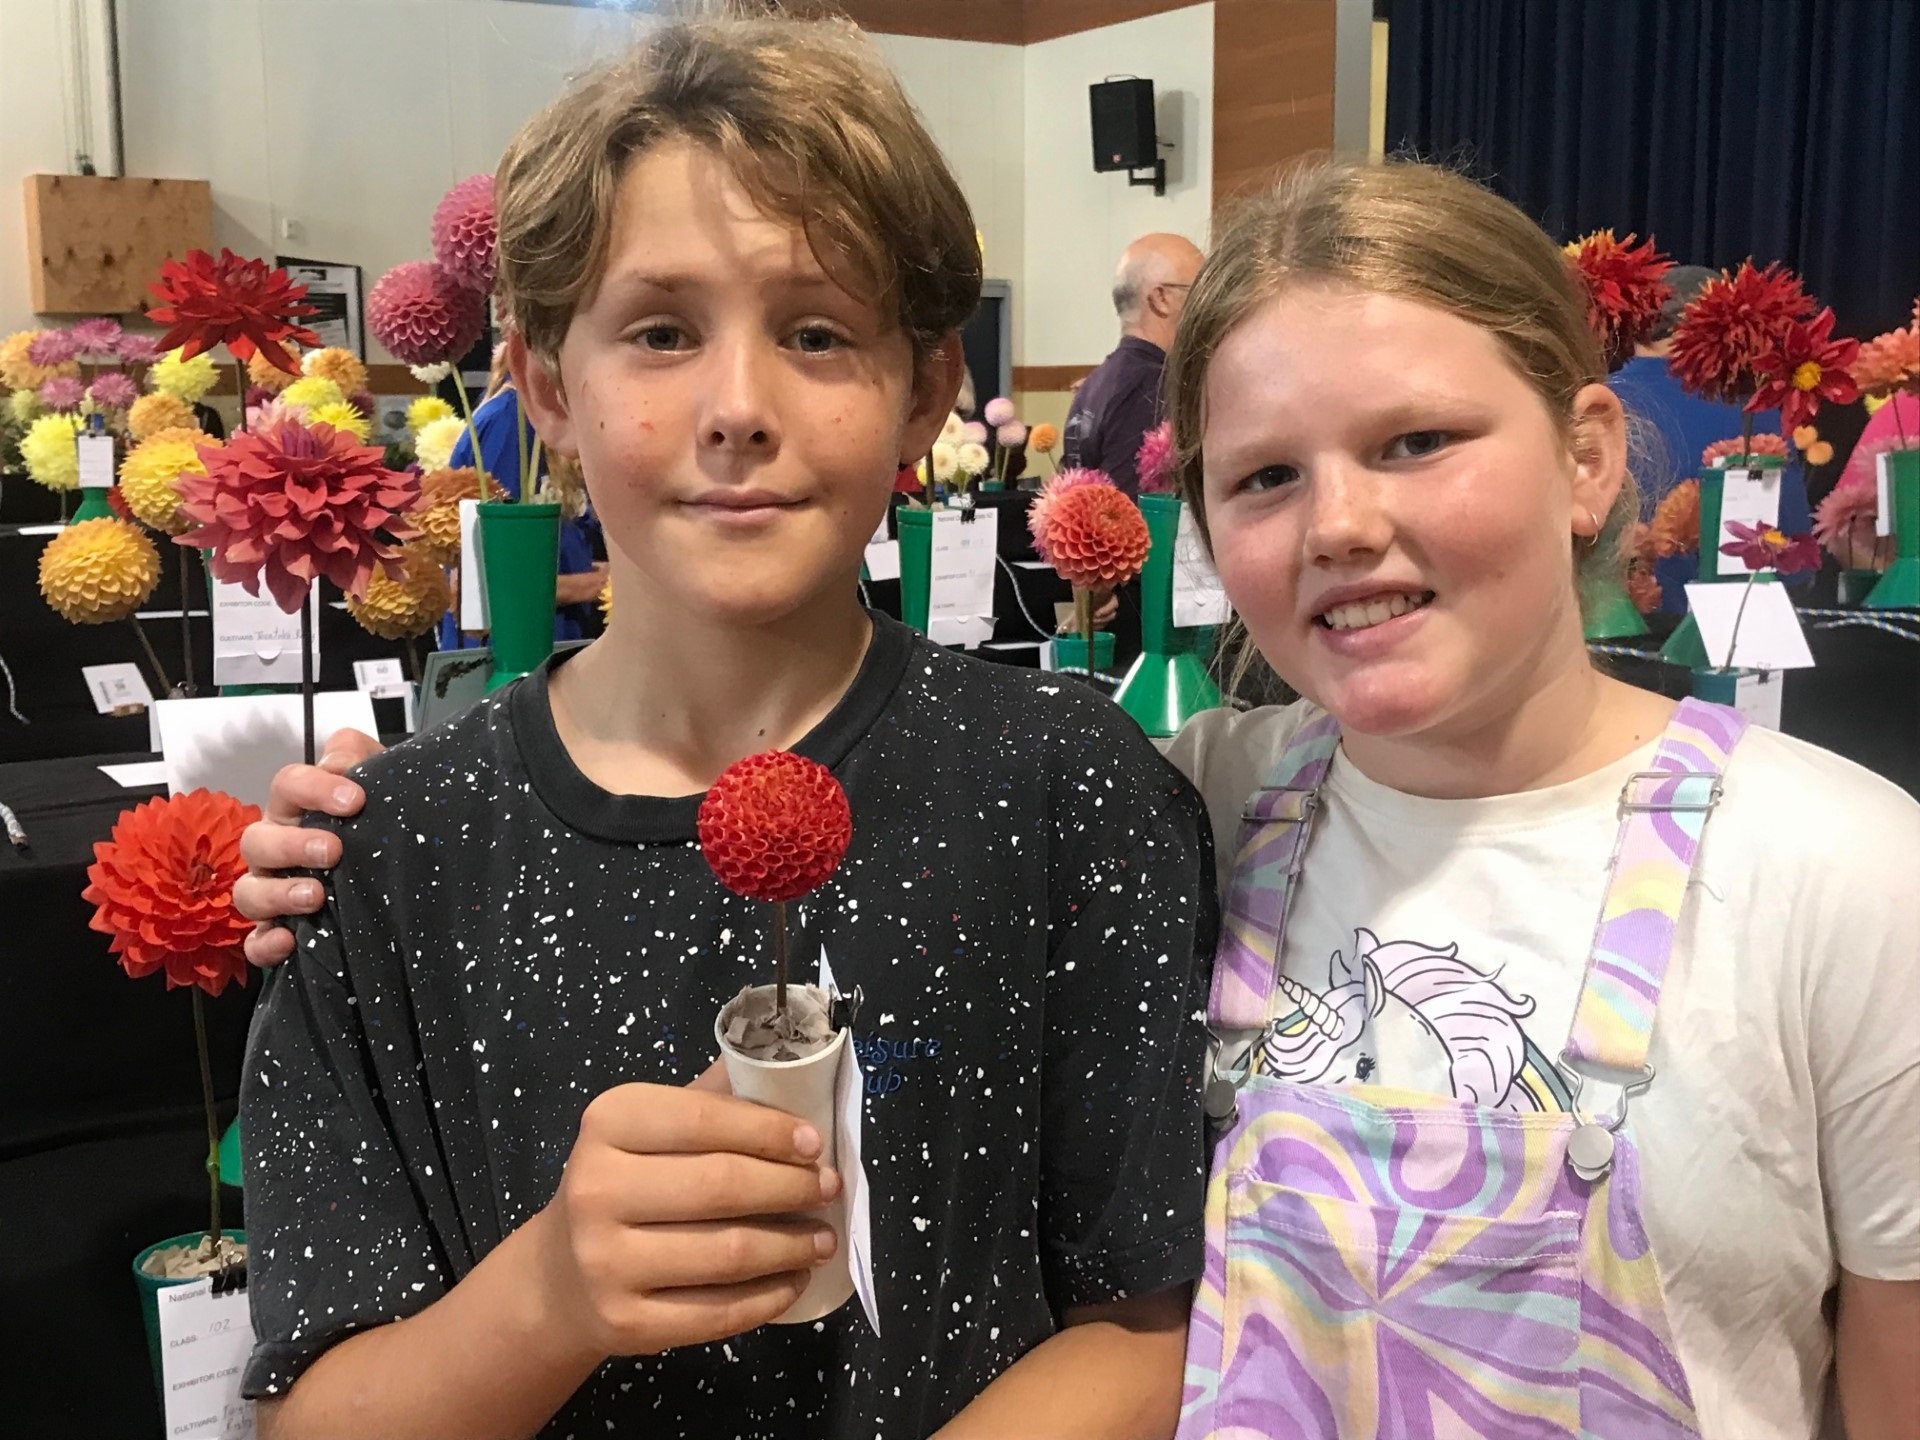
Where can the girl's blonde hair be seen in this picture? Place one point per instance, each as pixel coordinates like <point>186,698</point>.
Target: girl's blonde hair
<point>1405,228</point>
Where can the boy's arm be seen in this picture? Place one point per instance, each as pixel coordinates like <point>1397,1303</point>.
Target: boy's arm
<point>1112,1374</point>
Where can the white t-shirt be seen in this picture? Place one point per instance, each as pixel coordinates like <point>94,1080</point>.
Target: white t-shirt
<point>1781,1137</point>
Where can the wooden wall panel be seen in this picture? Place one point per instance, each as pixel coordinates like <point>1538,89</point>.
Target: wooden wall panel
<point>95,241</point>
<point>1272,87</point>
<point>999,22</point>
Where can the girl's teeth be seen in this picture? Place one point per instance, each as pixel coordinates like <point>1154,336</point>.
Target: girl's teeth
<point>1373,612</point>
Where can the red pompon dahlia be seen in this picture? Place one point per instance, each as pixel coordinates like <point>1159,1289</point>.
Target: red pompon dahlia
<point>423,316</point>
<point>775,827</point>
<point>1625,286</point>
<point>246,305</point>
<point>1059,484</point>
<point>1730,324</point>
<point>289,503</point>
<point>1807,367</point>
<point>1096,537</point>
<point>163,889</point>
<point>464,233</point>
<point>1153,462</point>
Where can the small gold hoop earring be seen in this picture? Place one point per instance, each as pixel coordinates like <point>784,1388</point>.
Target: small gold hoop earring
<point>1593,539</point>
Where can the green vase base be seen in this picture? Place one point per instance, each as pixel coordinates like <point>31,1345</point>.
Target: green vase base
<point>1070,653</point>
<point>1899,588</point>
<point>93,505</point>
<point>1615,617</point>
<point>1163,692</point>
<point>150,1287</point>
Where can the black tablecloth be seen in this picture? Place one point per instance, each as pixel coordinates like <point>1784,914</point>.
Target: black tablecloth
<point>102,1141</point>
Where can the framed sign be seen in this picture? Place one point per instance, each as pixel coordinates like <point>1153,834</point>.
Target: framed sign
<point>335,292</point>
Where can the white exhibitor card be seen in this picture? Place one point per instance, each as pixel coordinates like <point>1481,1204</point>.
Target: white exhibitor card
<point>1883,493</point>
<point>115,687</point>
<point>96,462</point>
<point>849,1103</point>
<point>382,679</point>
<point>1758,697</point>
<point>1770,637</point>
<point>235,743</point>
<point>473,570</point>
<point>1198,597</point>
<point>964,548</point>
<point>204,1342</point>
<point>883,560</point>
<point>255,642</point>
<point>1751,497</point>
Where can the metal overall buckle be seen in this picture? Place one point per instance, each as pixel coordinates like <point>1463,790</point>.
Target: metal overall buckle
<point>1229,1065</point>
<point>1630,806</point>
<point>1590,1147</point>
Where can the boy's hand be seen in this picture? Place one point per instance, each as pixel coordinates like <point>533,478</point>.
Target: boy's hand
<point>278,843</point>
<point>661,1233</point>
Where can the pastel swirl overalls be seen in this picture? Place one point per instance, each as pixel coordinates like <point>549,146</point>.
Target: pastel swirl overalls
<point>1383,1265</point>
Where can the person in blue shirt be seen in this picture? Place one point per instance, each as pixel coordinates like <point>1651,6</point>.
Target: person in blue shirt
<point>580,577</point>
<point>1678,426</point>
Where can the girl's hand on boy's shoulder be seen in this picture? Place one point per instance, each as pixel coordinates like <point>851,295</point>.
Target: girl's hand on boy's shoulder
<point>278,843</point>
<point>684,1216</point>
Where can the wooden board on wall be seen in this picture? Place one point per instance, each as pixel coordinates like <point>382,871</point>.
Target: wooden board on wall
<point>1272,87</point>
<point>94,242</point>
<point>996,22</point>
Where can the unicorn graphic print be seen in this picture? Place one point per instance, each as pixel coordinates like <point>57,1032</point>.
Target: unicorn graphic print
<point>1458,1024</point>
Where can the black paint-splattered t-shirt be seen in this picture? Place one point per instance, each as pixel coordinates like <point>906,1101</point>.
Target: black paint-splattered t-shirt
<point>1027,904</point>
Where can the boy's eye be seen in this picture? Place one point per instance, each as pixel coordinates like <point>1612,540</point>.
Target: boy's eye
<point>1270,477</point>
<point>1418,443</point>
<point>660,337</point>
<point>817,340</point>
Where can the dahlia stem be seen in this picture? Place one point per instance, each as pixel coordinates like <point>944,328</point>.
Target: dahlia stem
<point>780,957</point>
<point>533,471</point>
<point>159,673</point>
<point>1083,609</point>
<point>1733,641</point>
<point>187,686</point>
<point>1746,436</point>
<point>413,661</point>
<point>306,675</point>
<point>473,434</point>
<point>240,380</point>
<point>520,429</point>
<point>213,1128</point>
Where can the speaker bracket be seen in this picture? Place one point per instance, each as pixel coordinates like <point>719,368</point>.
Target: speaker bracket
<point>1156,176</point>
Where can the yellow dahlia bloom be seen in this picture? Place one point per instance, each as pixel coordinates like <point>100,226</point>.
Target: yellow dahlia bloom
<point>159,411</point>
<point>312,391</point>
<point>190,380</point>
<point>412,605</point>
<point>425,410</point>
<point>434,442</point>
<point>342,416</point>
<point>150,477</point>
<point>53,457</point>
<point>340,366</point>
<point>17,372</point>
<point>99,571</point>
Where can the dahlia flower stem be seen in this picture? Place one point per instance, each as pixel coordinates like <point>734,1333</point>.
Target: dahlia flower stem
<point>1083,610</point>
<point>306,675</point>
<point>413,661</point>
<point>1746,436</point>
<point>1733,642</point>
<point>473,434</point>
<point>532,473</point>
<point>240,380</point>
<point>520,428</point>
<point>213,1127</point>
<point>187,686</point>
<point>159,673</point>
<point>780,957</point>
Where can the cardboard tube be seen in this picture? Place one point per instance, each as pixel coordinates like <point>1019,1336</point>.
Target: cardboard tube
<point>804,1089</point>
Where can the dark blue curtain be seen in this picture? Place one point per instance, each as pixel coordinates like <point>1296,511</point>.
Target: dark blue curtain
<point>1778,129</point>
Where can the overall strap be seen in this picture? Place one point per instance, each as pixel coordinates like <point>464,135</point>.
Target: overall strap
<point>1273,840</point>
<point>1662,814</point>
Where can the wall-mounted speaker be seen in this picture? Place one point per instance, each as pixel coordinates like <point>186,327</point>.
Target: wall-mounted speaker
<point>1123,130</point>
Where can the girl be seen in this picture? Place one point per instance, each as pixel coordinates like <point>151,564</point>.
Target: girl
<point>1618,1174</point>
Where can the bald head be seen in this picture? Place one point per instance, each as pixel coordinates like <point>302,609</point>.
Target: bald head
<point>1150,285</point>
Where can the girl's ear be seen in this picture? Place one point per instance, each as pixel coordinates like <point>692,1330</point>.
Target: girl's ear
<point>1599,459</point>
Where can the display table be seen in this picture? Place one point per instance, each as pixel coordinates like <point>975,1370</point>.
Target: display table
<point>102,1141</point>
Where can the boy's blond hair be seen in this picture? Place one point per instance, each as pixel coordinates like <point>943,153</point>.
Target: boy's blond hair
<point>1400,227</point>
<point>811,122</point>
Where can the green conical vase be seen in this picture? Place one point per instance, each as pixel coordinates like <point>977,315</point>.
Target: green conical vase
<point>93,505</point>
<point>1899,588</point>
<point>1683,647</point>
<point>520,548</point>
<point>916,565</point>
<point>1169,683</point>
<point>1612,615</point>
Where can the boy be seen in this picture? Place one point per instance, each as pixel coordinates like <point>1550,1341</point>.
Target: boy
<point>484,1199</point>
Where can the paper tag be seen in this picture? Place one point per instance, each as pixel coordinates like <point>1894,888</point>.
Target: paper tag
<point>255,642</point>
<point>1758,697</point>
<point>1751,497</point>
<point>235,743</point>
<point>967,631</point>
<point>1770,636</point>
<point>473,570</point>
<point>96,462</point>
<point>849,1107</point>
<point>1883,492</point>
<point>204,1343</point>
<point>114,687</point>
<point>1198,597</point>
<point>137,776</point>
<point>883,560</point>
<point>382,679</point>
<point>961,565</point>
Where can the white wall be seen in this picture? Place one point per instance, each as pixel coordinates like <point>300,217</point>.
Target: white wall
<point>1077,221</point>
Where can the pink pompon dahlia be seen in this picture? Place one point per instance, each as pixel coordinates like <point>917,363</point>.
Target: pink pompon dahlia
<point>52,349</point>
<point>998,411</point>
<point>1059,483</point>
<point>289,503</point>
<point>422,315</point>
<point>113,391</point>
<point>62,392</point>
<point>1844,524</point>
<point>465,232</point>
<point>97,339</point>
<point>1154,460</point>
<point>139,349</point>
<point>1097,538</point>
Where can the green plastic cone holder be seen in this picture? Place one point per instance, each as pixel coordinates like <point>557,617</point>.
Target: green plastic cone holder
<point>1899,588</point>
<point>1070,654</point>
<point>1683,647</point>
<point>520,549</point>
<point>1611,613</point>
<point>150,1287</point>
<point>93,505</point>
<point>916,565</point>
<point>1169,683</point>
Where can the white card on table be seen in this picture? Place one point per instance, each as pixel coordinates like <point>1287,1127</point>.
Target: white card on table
<point>204,1343</point>
<point>473,570</point>
<point>382,679</point>
<point>849,1106</point>
<point>235,743</point>
<point>967,631</point>
<point>255,642</point>
<point>137,776</point>
<point>1770,635</point>
<point>1751,497</point>
<point>1758,697</point>
<point>960,585</point>
<point>1198,597</point>
<point>96,462</point>
<point>1883,492</point>
<point>113,686</point>
<point>883,560</point>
